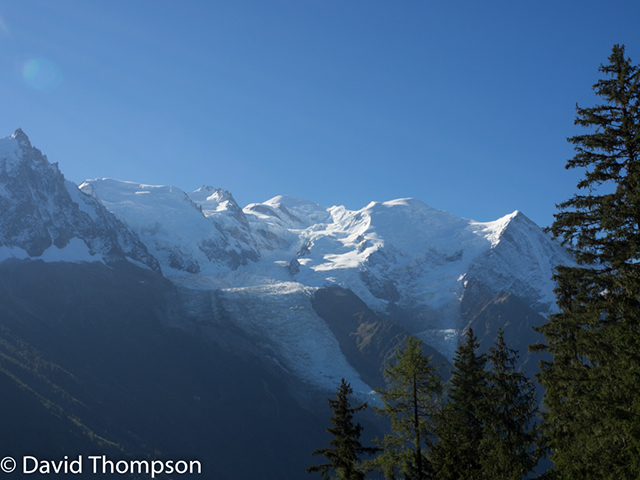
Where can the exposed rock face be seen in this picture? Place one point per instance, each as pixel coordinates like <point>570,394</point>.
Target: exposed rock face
<point>219,206</point>
<point>41,211</point>
<point>485,311</point>
<point>368,341</point>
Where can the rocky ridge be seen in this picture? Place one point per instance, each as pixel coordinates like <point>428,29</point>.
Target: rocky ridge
<point>46,216</point>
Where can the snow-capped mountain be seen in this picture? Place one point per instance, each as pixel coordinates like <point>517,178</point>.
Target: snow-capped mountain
<point>47,217</point>
<point>409,262</point>
<point>258,268</point>
<point>210,236</point>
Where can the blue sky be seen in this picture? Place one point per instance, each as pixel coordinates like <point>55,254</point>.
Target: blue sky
<point>464,105</point>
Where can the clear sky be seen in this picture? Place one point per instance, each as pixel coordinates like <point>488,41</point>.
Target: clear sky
<point>464,105</point>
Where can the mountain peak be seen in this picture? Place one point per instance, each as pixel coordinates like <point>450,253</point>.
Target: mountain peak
<point>22,138</point>
<point>211,198</point>
<point>519,219</point>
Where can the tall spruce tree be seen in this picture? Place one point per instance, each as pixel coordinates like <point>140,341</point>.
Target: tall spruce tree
<point>410,401</point>
<point>460,429</point>
<point>344,455</point>
<point>592,418</point>
<point>511,445</point>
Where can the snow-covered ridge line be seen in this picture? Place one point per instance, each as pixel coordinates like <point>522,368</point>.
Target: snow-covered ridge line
<point>493,230</point>
<point>402,245</point>
<point>406,260</point>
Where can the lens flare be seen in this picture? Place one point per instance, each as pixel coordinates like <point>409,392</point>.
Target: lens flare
<point>42,74</point>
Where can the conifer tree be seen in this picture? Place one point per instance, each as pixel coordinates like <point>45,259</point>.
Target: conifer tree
<point>410,401</point>
<point>511,446</point>
<point>460,429</point>
<point>344,455</point>
<point>593,408</point>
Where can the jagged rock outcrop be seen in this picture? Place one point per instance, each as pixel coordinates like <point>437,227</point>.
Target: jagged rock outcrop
<point>44,215</point>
